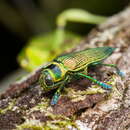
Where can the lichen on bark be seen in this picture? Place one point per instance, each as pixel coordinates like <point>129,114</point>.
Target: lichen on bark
<point>25,105</point>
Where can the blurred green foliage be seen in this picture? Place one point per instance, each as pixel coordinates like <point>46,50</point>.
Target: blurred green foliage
<point>44,48</point>
<point>32,17</point>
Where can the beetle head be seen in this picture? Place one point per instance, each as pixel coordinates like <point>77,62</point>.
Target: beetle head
<point>51,76</point>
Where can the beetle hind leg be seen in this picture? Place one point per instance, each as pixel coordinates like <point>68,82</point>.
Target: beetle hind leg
<point>118,71</point>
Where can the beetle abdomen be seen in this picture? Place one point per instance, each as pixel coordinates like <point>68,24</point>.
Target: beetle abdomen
<point>77,60</point>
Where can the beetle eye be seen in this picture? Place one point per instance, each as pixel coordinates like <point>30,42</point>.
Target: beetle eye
<point>48,80</point>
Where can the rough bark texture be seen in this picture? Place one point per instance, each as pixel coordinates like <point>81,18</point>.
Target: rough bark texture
<point>26,106</point>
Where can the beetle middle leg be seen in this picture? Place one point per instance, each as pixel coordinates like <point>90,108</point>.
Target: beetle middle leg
<point>95,81</point>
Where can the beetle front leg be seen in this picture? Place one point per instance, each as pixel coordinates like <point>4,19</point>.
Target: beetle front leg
<point>57,95</point>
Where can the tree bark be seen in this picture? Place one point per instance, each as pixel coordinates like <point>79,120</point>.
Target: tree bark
<point>25,106</point>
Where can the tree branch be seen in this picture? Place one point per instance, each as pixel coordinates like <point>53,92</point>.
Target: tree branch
<point>25,105</point>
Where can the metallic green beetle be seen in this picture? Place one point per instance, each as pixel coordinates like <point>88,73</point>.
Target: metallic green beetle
<point>61,69</point>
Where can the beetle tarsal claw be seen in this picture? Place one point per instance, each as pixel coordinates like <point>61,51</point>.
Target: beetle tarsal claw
<point>121,73</point>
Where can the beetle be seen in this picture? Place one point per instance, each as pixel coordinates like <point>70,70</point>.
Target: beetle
<point>60,71</point>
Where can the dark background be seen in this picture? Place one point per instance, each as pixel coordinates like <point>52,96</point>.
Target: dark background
<point>22,19</point>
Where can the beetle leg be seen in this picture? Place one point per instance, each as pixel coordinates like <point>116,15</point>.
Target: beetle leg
<point>56,96</point>
<point>96,81</point>
<point>119,72</point>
